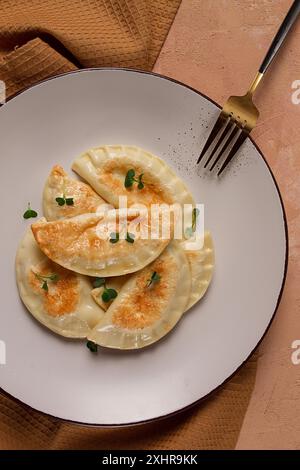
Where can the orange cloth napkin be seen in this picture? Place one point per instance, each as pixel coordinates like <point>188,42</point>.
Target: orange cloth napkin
<point>213,424</point>
<point>39,38</point>
<point>49,37</point>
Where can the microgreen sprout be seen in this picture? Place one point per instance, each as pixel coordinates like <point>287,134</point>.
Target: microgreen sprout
<point>107,294</point>
<point>115,237</point>
<point>63,200</point>
<point>130,179</point>
<point>93,347</point>
<point>45,279</point>
<point>29,213</point>
<point>190,230</point>
<point>155,277</point>
<point>130,237</point>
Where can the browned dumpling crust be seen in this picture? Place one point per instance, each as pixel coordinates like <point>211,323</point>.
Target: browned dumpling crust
<point>84,244</point>
<point>58,298</point>
<point>145,311</point>
<point>81,198</point>
<point>105,169</point>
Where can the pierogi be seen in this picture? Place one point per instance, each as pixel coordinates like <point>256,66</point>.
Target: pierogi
<point>105,169</point>
<point>86,244</point>
<point>201,263</point>
<point>57,298</point>
<point>114,232</point>
<point>145,309</point>
<point>76,197</point>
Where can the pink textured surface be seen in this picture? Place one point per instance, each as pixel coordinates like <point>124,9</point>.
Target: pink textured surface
<point>216,46</point>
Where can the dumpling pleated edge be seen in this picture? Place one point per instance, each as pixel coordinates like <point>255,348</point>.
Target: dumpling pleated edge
<point>89,164</point>
<point>69,325</point>
<point>111,336</point>
<point>202,265</point>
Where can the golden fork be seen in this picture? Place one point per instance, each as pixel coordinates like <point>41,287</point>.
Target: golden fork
<point>239,115</point>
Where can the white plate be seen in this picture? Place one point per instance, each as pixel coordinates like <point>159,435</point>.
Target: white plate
<point>52,123</point>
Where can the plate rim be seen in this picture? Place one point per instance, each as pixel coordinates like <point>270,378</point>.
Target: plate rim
<point>283,282</point>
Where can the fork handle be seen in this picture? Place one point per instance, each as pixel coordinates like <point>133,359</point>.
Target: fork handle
<point>286,25</point>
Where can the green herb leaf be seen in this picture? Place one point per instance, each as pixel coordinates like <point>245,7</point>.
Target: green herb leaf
<point>60,201</point>
<point>188,232</point>
<point>106,296</point>
<point>129,179</point>
<point>155,277</point>
<point>130,237</point>
<point>70,201</point>
<point>195,214</point>
<point>140,182</point>
<point>45,286</point>
<point>44,279</point>
<point>114,237</point>
<point>112,293</point>
<point>109,294</point>
<point>29,213</point>
<point>99,282</point>
<point>93,347</point>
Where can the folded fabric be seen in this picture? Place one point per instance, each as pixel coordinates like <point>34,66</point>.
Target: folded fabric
<point>53,37</point>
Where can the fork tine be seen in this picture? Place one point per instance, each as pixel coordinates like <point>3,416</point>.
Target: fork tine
<point>226,144</point>
<point>217,127</point>
<point>240,140</point>
<point>229,126</point>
